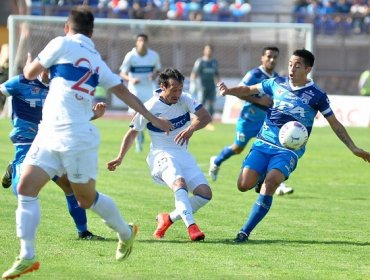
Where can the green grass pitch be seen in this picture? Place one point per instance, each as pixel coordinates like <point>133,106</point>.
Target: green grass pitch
<point>322,231</point>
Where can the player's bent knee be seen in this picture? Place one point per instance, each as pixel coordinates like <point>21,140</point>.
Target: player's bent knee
<point>203,191</point>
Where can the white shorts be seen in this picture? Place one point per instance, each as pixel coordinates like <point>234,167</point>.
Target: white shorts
<point>79,162</point>
<point>168,166</point>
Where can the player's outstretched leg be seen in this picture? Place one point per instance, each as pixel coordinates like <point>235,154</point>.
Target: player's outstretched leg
<point>6,179</point>
<point>105,207</point>
<point>283,189</point>
<point>259,211</point>
<point>21,266</point>
<point>124,248</point>
<point>216,161</point>
<point>163,223</point>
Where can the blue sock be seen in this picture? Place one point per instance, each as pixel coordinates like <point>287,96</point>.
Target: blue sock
<point>259,211</point>
<point>77,213</point>
<point>224,155</point>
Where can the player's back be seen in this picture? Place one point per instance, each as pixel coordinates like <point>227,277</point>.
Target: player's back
<point>76,68</point>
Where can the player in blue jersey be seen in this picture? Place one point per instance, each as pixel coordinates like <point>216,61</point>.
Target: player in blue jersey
<point>296,98</point>
<point>66,141</point>
<point>251,116</point>
<point>169,160</point>
<point>28,98</point>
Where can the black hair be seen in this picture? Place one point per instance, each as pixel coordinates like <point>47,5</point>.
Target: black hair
<point>308,57</point>
<point>170,73</point>
<point>81,20</point>
<point>270,48</point>
<point>142,35</point>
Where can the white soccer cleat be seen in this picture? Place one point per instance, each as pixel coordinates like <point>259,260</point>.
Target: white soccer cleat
<point>283,189</point>
<point>213,168</point>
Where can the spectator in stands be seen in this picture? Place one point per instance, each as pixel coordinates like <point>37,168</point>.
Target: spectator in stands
<point>136,11</point>
<point>364,83</point>
<point>359,10</point>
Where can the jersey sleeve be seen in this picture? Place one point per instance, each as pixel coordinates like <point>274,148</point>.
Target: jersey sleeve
<point>10,87</point>
<point>196,66</point>
<point>191,103</point>
<point>266,86</point>
<point>138,123</point>
<point>107,79</point>
<point>51,53</point>
<point>323,105</point>
<point>126,63</point>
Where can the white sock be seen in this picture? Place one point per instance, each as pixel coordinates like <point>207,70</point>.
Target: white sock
<point>108,211</point>
<point>183,206</point>
<point>196,203</point>
<point>27,219</point>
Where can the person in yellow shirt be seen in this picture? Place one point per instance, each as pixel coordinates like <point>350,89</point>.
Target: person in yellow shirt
<point>364,83</point>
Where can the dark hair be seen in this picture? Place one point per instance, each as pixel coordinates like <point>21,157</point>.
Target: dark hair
<point>308,57</point>
<point>142,35</point>
<point>81,20</point>
<point>270,48</point>
<point>170,73</point>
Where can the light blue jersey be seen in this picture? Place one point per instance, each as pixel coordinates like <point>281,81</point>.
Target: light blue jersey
<point>252,115</point>
<point>27,101</point>
<point>290,104</point>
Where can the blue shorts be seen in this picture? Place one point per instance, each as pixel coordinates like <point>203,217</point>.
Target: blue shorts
<point>20,154</point>
<point>245,130</point>
<point>263,158</point>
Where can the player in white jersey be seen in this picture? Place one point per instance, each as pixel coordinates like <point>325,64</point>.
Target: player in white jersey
<point>169,160</point>
<point>140,69</point>
<point>296,98</point>
<point>67,142</point>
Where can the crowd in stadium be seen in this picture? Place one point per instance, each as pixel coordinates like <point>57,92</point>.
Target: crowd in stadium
<point>328,16</point>
<point>332,16</point>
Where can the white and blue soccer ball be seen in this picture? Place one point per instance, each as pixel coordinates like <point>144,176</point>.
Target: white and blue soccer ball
<point>293,135</point>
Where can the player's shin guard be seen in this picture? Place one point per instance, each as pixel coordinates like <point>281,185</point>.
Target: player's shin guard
<point>27,219</point>
<point>259,211</point>
<point>183,206</point>
<point>105,207</point>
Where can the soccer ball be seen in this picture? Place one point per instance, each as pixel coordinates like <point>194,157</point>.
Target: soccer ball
<point>293,135</point>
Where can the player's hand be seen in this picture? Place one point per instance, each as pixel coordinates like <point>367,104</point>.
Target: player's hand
<point>362,154</point>
<point>113,164</point>
<point>183,137</point>
<point>99,110</point>
<point>163,124</point>
<point>222,88</point>
<point>135,81</point>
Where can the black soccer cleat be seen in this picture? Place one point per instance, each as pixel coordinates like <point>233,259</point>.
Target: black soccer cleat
<point>87,235</point>
<point>6,180</point>
<point>241,237</point>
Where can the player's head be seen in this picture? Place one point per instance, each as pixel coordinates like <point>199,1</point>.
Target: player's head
<point>171,82</point>
<point>300,65</point>
<point>80,20</point>
<point>141,43</point>
<point>269,58</point>
<point>208,50</point>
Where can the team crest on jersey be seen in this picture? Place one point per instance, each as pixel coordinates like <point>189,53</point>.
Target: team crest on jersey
<point>35,90</point>
<point>305,98</point>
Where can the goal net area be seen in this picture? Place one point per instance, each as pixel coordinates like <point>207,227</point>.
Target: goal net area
<point>237,46</point>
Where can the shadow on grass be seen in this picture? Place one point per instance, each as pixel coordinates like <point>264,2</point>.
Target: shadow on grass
<point>250,242</point>
<point>260,242</point>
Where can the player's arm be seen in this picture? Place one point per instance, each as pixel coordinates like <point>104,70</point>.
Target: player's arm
<point>32,68</point>
<point>127,141</point>
<point>200,120</point>
<point>264,100</point>
<point>124,75</point>
<point>343,135</point>
<point>238,91</point>
<point>133,102</point>
<point>99,110</point>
